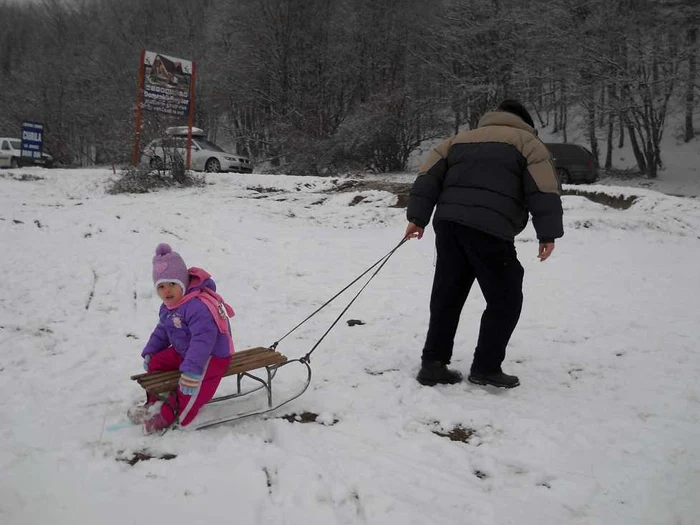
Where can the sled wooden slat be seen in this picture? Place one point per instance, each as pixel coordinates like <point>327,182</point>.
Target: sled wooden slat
<point>242,362</point>
<point>244,358</point>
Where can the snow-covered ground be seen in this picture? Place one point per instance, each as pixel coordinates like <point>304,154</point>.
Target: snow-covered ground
<point>603,430</point>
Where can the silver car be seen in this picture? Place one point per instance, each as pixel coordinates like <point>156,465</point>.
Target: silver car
<point>205,155</point>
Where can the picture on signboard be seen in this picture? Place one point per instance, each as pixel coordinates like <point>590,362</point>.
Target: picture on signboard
<point>168,72</point>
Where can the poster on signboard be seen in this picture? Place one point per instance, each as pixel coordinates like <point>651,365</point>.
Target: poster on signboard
<point>32,140</point>
<point>166,84</point>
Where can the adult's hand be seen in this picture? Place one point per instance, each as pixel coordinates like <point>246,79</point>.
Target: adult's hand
<point>545,250</point>
<point>413,231</point>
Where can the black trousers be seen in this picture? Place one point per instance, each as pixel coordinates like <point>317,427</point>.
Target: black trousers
<point>465,254</point>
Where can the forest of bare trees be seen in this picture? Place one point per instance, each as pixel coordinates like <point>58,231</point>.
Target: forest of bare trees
<point>329,86</point>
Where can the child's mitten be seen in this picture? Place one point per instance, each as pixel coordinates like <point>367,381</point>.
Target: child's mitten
<point>189,383</point>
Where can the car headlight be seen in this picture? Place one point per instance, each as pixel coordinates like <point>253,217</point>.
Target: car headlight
<point>230,158</point>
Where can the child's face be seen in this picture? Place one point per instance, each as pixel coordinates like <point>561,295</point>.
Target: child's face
<point>170,293</point>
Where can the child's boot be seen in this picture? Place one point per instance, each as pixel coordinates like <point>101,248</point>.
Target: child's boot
<point>155,423</point>
<point>164,417</point>
<point>141,413</point>
<point>137,414</point>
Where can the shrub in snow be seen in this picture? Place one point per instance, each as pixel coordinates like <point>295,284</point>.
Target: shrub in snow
<point>144,180</point>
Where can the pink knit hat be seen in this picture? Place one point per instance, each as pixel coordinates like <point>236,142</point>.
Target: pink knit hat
<point>168,267</point>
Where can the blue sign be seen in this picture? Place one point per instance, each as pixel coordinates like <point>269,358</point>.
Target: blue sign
<point>32,140</point>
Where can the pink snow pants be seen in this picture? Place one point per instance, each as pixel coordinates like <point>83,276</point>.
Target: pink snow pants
<point>178,404</point>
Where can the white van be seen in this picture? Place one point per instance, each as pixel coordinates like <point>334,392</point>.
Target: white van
<point>11,155</point>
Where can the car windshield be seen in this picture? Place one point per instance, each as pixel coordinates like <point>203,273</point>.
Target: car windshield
<point>16,144</point>
<point>205,144</point>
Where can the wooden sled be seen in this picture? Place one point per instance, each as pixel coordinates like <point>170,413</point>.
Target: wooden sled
<point>242,364</point>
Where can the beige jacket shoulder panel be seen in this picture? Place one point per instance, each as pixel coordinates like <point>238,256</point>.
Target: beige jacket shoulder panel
<point>540,165</point>
<point>438,153</point>
<point>498,126</point>
<point>524,137</point>
<point>503,118</point>
<point>506,128</point>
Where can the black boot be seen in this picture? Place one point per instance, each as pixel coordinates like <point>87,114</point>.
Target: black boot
<point>498,379</point>
<point>436,372</point>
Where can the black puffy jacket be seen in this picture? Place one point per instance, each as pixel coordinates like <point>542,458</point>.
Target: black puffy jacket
<point>490,178</point>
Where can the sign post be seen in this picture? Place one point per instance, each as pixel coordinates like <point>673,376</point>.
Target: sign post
<point>190,119</point>
<point>137,133</point>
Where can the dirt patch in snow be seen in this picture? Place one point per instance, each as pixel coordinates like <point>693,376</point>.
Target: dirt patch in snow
<point>402,190</point>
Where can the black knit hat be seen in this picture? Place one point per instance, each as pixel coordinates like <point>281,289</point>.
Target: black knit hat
<point>516,108</point>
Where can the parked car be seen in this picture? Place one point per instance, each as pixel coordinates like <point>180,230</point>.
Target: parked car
<point>575,164</point>
<point>205,155</point>
<point>11,155</point>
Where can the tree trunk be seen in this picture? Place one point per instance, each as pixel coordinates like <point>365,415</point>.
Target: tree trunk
<point>564,112</point>
<point>563,123</point>
<point>609,144</point>
<point>690,86</point>
<point>638,154</point>
<point>457,108</point>
<point>621,141</point>
<point>593,141</point>
<point>555,107</point>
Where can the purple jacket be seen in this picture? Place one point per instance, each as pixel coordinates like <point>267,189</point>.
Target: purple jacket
<point>191,329</point>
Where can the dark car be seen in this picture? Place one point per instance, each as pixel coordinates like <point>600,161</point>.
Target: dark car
<point>575,164</point>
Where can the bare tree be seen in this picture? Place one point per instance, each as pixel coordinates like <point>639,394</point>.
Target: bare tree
<point>690,84</point>
<point>685,17</point>
<point>317,86</point>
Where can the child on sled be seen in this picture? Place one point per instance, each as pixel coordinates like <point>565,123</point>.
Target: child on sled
<point>193,336</point>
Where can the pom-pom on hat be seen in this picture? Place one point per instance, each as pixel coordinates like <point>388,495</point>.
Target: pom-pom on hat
<point>168,267</point>
<point>516,108</point>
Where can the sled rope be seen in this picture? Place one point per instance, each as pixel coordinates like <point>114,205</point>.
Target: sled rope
<point>381,262</point>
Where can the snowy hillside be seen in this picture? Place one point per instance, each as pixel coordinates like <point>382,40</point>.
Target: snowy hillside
<point>603,430</point>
